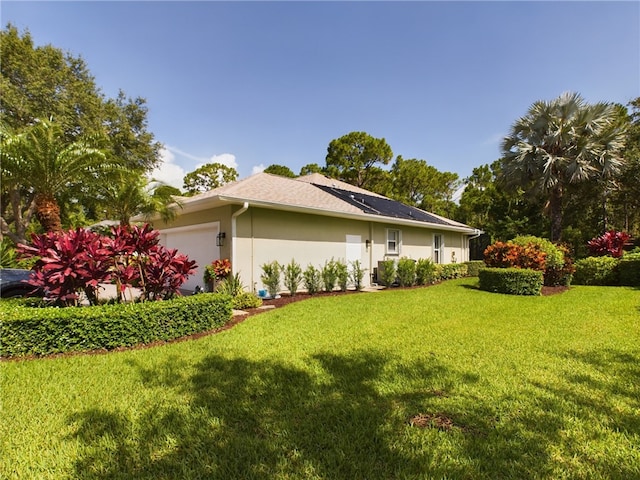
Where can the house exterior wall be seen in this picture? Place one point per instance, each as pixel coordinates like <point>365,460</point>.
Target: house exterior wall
<point>264,235</point>
<point>267,235</point>
<point>418,243</point>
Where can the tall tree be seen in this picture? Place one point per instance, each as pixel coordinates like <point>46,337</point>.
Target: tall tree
<point>356,158</point>
<point>125,123</point>
<point>310,168</point>
<point>281,170</point>
<point>133,194</point>
<point>417,183</point>
<point>44,82</point>
<point>561,142</point>
<point>627,197</point>
<point>39,165</point>
<point>208,177</point>
<point>502,214</point>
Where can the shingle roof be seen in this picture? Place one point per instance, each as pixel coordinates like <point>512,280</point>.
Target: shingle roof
<point>317,192</point>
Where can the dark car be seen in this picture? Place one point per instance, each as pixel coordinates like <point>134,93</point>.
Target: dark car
<point>13,283</point>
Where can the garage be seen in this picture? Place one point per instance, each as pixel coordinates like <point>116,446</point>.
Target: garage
<point>198,242</point>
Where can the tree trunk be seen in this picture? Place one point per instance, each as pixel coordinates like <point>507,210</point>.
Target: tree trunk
<point>555,213</point>
<point>48,212</point>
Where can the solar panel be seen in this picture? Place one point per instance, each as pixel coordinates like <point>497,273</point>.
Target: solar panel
<point>384,207</point>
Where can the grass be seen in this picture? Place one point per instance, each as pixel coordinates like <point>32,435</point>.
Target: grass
<point>442,382</point>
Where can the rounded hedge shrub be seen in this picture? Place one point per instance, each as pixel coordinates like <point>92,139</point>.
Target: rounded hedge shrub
<point>473,267</point>
<point>629,270</point>
<point>512,281</point>
<point>596,271</point>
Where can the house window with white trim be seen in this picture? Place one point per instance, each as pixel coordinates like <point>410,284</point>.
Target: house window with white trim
<point>393,242</point>
<point>438,248</point>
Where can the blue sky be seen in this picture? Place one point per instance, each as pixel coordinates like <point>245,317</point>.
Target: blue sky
<point>251,84</point>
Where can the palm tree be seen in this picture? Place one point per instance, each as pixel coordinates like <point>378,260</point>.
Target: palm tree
<point>562,142</point>
<point>133,194</point>
<point>38,166</point>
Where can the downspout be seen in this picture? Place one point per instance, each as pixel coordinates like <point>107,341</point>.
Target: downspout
<point>476,235</point>
<point>235,215</point>
<point>370,253</point>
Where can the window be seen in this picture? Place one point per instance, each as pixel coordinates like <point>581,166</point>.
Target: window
<point>437,248</point>
<point>393,242</point>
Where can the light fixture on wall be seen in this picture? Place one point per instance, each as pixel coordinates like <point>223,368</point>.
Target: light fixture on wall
<point>367,243</point>
<point>220,239</point>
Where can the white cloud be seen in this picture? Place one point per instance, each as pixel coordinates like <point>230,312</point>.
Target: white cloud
<point>167,171</point>
<point>227,159</point>
<point>257,169</point>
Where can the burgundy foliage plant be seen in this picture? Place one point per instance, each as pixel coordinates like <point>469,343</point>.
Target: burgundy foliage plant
<point>77,261</point>
<point>610,243</point>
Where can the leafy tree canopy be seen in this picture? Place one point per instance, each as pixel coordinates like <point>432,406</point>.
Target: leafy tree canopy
<point>208,177</point>
<point>310,168</point>
<point>281,170</point>
<point>43,83</point>
<point>417,183</point>
<point>352,157</point>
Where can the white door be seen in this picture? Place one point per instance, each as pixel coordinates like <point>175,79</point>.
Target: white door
<point>198,242</point>
<point>354,249</point>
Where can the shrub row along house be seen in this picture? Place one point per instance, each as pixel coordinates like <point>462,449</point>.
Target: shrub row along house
<point>311,219</point>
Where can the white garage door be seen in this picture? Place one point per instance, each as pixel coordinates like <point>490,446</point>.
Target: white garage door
<point>198,242</point>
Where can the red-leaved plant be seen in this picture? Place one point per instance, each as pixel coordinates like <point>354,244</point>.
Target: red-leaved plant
<point>68,263</point>
<point>609,243</point>
<point>79,260</point>
<point>511,255</point>
<point>217,270</point>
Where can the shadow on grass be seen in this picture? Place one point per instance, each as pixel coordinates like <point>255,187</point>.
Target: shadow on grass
<point>241,419</point>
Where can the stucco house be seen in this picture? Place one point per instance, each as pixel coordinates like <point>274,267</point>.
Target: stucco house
<point>311,219</point>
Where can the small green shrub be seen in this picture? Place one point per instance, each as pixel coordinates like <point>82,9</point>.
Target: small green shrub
<point>246,300</point>
<point>473,267</point>
<point>329,275</point>
<point>271,277</point>
<point>357,274</point>
<point>450,271</point>
<point>342,273</point>
<point>425,271</point>
<point>231,286</point>
<point>312,279</point>
<point>42,331</point>
<point>629,270</point>
<point>406,272</point>
<point>292,276</point>
<point>512,281</point>
<point>596,271</point>
<point>388,273</point>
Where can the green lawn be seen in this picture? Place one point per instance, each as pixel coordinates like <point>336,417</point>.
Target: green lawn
<point>499,386</point>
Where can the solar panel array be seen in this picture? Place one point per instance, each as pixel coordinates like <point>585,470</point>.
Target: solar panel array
<point>384,207</point>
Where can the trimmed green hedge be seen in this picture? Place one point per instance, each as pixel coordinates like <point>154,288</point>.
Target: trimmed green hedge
<point>27,330</point>
<point>629,270</point>
<point>450,271</point>
<point>596,271</point>
<point>513,281</point>
<point>474,266</point>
